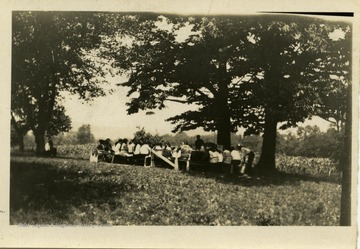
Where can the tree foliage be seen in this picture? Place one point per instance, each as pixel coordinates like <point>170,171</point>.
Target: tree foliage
<point>336,76</point>
<point>143,137</point>
<point>292,69</point>
<point>84,135</point>
<point>244,71</point>
<point>50,54</point>
<point>309,141</point>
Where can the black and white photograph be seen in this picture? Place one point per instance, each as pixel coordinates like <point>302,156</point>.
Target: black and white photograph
<point>180,126</point>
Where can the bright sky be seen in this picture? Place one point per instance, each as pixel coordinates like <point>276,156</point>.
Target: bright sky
<point>108,117</point>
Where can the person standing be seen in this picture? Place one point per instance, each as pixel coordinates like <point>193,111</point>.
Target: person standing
<point>184,157</point>
<point>199,143</point>
<point>247,158</point>
<point>50,149</point>
<point>235,161</point>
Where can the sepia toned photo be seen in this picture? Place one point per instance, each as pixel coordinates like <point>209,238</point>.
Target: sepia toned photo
<point>169,123</point>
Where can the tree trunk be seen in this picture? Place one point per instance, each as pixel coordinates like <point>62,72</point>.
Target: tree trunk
<point>222,108</point>
<point>345,210</point>
<point>266,162</point>
<point>40,141</point>
<point>40,130</point>
<point>21,142</point>
<point>223,134</point>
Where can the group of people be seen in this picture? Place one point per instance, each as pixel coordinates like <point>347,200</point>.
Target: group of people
<point>124,147</point>
<point>237,159</point>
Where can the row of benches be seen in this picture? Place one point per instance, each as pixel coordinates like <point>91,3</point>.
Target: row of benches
<point>197,161</point>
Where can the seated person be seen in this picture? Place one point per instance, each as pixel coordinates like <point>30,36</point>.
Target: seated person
<point>227,156</point>
<point>108,146</point>
<point>101,146</point>
<point>137,149</point>
<point>220,156</point>
<point>158,147</point>
<point>167,152</point>
<point>131,148</point>
<point>124,148</point>
<point>175,152</point>
<point>105,151</point>
<point>117,147</point>
<point>213,156</point>
<point>145,149</point>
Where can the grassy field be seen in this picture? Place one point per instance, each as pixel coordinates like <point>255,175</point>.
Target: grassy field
<point>65,191</point>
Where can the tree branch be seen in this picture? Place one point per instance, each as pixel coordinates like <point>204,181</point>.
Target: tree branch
<point>202,93</point>
<point>177,100</point>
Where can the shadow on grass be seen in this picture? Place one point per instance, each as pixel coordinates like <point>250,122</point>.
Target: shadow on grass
<point>35,186</point>
<point>276,178</point>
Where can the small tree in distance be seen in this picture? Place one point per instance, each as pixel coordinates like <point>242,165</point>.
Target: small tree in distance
<point>84,135</point>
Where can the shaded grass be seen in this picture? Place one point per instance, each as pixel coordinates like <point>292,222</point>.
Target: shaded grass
<point>59,191</point>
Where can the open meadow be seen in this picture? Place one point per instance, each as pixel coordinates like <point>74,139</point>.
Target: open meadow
<point>73,191</point>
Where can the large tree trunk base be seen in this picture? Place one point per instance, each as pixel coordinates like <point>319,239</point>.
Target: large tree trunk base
<point>263,170</point>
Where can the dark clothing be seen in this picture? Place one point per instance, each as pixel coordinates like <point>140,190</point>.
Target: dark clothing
<point>107,147</point>
<point>249,161</point>
<point>236,166</point>
<point>199,143</point>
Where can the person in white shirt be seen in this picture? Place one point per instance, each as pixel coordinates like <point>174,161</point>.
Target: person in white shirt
<point>116,147</point>
<point>220,156</point>
<point>213,156</point>
<point>145,149</point>
<point>137,149</point>
<point>184,156</point>
<point>235,161</point>
<point>226,161</point>
<point>123,148</point>
<point>47,146</point>
<point>131,147</point>
<point>227,156</point>
<point>50,149</point>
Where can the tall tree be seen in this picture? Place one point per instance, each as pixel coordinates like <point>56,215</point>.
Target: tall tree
<point>336,76</point>
<point>254,72</point>
<point>197,70</point>
<point>290,70</point>
<point>50,54</point>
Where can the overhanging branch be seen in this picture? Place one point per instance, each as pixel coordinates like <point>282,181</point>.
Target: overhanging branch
<point>177,100</point>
